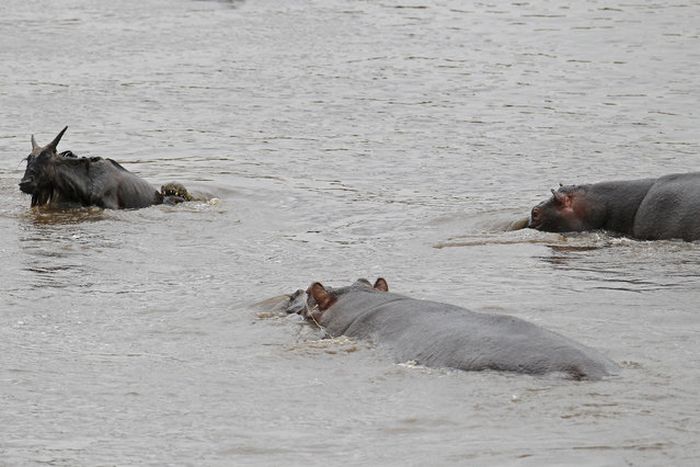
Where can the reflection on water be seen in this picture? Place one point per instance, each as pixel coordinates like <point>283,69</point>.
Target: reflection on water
<point>343,140</point>
<point>572,248</point>
<point>56,250</point>
<point>230,3</point>
<point>625,264</point>
<point>50,216</point>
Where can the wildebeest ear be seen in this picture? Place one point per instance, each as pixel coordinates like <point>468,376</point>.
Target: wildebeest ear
<point>53,144</point>
<point>323,298</point>
<point>381,285</point>
<point>34,145</point>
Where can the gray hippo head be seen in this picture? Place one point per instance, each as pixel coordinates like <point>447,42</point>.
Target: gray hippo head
<point>317,299</point>
<point>568,210</point>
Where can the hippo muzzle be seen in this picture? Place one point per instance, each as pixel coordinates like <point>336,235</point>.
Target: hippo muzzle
<point>297,303</point>
<point>535,220</point>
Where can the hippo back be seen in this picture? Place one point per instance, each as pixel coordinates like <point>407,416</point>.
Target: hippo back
<point>671,209</point>
<point>441,335</point>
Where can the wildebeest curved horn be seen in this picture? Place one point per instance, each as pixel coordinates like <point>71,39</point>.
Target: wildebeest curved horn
<point>34,145</point>
<point>54,143</point>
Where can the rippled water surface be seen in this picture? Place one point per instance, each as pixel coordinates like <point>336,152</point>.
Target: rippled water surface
<point>341,140</point>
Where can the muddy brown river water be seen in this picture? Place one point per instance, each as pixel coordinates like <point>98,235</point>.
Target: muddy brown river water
<point>341,140</point>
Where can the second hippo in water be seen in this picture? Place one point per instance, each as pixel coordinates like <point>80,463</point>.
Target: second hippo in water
<point>647,209</point>
<point>440,335</point>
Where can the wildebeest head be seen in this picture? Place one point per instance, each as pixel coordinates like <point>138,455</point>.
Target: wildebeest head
<point>40,175</point>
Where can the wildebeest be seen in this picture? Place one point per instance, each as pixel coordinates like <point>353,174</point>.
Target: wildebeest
<point>64,180</point>
<point>647,209</point>
<point>440,335</point>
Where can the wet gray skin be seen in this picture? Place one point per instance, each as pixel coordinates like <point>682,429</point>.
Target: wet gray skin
<point>441,335</point>
<point>297,303</point>
<point>647,209</point>
<point>63,180</point>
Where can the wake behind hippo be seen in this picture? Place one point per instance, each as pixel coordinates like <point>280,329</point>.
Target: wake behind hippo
<point>64,180</point>
<point>440,335</point>
<point>648,209</point>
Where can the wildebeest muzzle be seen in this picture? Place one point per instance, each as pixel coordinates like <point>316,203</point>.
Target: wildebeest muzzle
<point>27,185</point>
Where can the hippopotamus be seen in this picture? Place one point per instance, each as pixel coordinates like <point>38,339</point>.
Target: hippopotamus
<point>647,209</point>
<point>64,180</point>
<point>437,334</point>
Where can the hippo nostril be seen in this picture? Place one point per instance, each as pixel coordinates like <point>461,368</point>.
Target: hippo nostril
<point>297,302</point>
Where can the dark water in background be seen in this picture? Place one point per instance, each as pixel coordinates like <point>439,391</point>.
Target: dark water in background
<point>342,140</point>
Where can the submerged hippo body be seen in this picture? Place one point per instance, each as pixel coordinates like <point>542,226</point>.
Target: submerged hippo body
<point>649,209</point>
<point>64,180</point>
<point>440,335</point>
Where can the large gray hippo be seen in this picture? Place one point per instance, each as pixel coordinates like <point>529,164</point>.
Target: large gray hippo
<point>64,180</point>
<point>647,209</point>
<point>440,335</point>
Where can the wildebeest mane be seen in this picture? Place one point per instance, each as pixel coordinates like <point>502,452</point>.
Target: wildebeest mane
<point>83,159</point>
<point>117,165</point>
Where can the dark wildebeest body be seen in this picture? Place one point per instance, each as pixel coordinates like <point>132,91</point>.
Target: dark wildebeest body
<point>440,335</point>
<point>649,209</point>
<point>64,180</point>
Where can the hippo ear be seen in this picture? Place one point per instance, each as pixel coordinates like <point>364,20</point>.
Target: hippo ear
<point>321,296</point>
<point>563,199</point>
<point>34,145</point>
<point>381,285</point>
<point>362,282</point>
<point>53,144</point>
